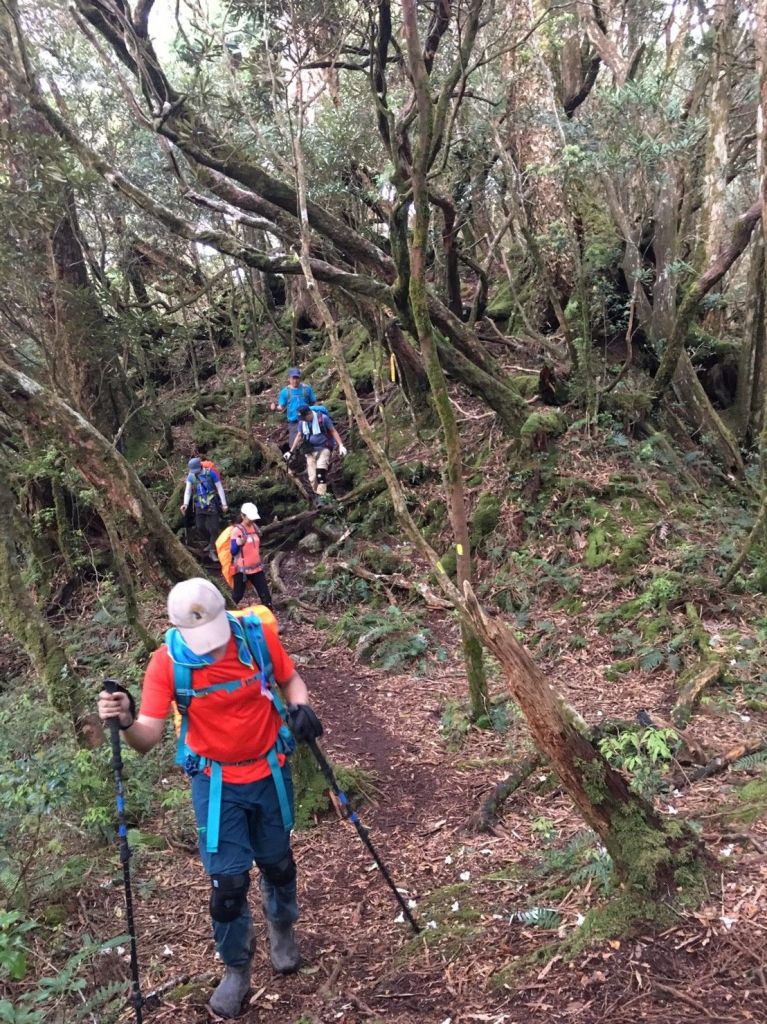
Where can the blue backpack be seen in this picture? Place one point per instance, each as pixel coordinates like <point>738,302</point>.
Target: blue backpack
<point>205,493</point>
<point>306,428</point>
<point>251,644</point>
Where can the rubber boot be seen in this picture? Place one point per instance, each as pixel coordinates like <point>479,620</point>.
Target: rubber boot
<point>286,958</point>
<point>229,994</point>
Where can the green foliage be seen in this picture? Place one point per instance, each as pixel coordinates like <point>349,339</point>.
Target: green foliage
<point>45,779</point>
<point>391,639</point>
<point>580,861</point>
<point>645,753</point>
<point>338,587</point>
<point>540,917</point>
<point>13,952</point>
<point>751,762</point>
<point>51,993</point>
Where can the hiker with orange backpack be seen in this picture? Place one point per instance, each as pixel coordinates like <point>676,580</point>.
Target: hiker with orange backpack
<point>234,746</point>
<point>245,549</point>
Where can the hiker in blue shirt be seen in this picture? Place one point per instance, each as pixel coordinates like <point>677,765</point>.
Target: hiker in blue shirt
<point>319,439</point>
<point>205,484</point>
<point>291,397</point>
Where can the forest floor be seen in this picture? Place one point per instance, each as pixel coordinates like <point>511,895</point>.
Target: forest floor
<point>609,561</point>
<point>482,955</point>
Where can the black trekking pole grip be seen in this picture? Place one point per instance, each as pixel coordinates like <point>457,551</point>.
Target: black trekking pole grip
<point>136,1000</point>
<point>111,686</point>
<point>363,833</point>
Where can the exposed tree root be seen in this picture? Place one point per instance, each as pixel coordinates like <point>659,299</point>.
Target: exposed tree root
<point>396,580</point>
<point>718,764</point>
<point>484,819</point>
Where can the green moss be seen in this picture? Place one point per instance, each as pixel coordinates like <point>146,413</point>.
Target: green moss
<point>54,914</point>
<point>526,384</point>
<point>451,940</point>
<point>486,517</point>
<point>311,789</point>
<point>501,306</point>
<point>753,797</point>
<point>599,548</point>
<point>541,427</point>
<point>381,559</point>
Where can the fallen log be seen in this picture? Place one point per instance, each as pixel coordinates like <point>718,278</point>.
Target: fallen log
<point>396,580</point>
<point>702,675</point>
<point>719,764</point>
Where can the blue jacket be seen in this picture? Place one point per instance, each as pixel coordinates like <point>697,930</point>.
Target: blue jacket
<point>293,398</point>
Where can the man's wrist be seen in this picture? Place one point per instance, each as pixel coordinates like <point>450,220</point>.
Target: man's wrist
<point>124,728</point>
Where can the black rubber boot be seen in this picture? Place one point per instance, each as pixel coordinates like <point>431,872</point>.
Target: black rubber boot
<point>286,958</point>
<point>229,994</point>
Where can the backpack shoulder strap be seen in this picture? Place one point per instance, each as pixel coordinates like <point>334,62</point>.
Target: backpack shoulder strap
<point>254,637</point>
<point>182,694</point>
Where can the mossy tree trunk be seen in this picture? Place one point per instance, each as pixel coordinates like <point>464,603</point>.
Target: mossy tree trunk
<point>140,530</point>
<point>25,618</point>
<point>649,851</point>
<point>472,649</point>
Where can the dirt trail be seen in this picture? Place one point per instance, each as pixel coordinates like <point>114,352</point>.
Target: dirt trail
<point>362,965</point>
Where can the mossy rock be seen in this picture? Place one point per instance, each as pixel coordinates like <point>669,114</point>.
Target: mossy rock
<point>381,559</point>
<point>541,427</point>
<point>501,305</point>
<point>355,468</point>
<point>485,519</point>
<point>753,800</point>
<point>526,384</point>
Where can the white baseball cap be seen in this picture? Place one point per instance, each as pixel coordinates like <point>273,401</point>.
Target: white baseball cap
<point>250,510</point>
<point>198,610</point>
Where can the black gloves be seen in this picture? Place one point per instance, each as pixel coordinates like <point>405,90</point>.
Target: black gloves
<point>303,722</point>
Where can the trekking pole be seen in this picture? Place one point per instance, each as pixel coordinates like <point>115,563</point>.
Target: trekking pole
<point>363,833</point>
<point>136,1001</point>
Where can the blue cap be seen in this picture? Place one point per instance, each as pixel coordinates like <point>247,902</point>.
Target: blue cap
<point>294,372</point>
<point>195,465</point>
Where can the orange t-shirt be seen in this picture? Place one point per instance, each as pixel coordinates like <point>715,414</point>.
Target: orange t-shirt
<point>224,726</point>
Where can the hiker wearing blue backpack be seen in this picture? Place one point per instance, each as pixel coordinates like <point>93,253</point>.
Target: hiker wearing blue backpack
<point>319,439</point>
<point>203,484</point>
<point>291,398</point>
<point>234,746</point>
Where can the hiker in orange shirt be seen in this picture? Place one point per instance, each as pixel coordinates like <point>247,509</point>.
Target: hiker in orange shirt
<point>234,746</point>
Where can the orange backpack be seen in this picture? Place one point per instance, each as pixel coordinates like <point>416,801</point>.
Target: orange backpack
<point>224,553</point>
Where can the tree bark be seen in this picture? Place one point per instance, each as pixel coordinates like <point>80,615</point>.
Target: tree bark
<point>453,470</point>
<point>140,529</point>
<point>25,618</point>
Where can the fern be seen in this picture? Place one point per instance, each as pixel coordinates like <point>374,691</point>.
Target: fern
<point>751,761</point>
<point>390,639</point>
<point>540,917</point>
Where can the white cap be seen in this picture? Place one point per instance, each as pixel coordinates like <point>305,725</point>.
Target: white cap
<point>198,609</point>
<point>250,510</point>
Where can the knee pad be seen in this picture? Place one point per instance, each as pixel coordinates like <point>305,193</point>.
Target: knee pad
<point>281,873</point>
<point>229,896</point>
<point>322,475</point>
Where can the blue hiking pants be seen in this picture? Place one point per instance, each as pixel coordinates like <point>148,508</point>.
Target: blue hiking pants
<point>251,830</point>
